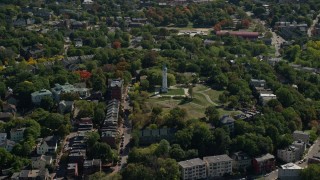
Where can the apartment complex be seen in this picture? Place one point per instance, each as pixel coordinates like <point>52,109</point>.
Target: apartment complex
<point>193,169</point>
<point>289,171</point>
<point>302,136</point>
<point>218,165</point>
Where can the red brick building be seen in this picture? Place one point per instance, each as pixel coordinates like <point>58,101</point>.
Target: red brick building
<point>115,88</point>
<point>263,164</point>
<point>243,34</point>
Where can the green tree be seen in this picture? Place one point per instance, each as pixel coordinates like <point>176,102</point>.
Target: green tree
<point>169,169</point>
<point>163,148</point>
<point>312,172</point>
<point>137,171</point>
<point>3,89</point>
<point>47,103</point>
<point>23,91</point>
<point>212,114</point>
<point>99,115</point>
<point>285,97</point>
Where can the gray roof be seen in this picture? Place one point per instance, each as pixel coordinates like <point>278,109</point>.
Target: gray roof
<point>226,119</point>
<point>191,163</point>
<point>215,159</point>
<point>265,157</point>
<point>116,82</point>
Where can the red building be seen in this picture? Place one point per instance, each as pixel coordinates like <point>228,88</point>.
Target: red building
<point>243,34</point>
<point>115,88</point>
<point>263,164</point>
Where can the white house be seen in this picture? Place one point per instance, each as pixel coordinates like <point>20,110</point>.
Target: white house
<point>289,171</point>
<point>40,162</point>
<point>193,169</point>
<point>16,134</point>
<point>218,165</point>
<point>47,145</point>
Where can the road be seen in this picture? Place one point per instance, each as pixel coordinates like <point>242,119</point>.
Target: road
<point>312,25</point>
<point>313,150</point>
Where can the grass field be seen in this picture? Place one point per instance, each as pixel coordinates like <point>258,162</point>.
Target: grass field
<point>172,92</point>
<point>194,108</point>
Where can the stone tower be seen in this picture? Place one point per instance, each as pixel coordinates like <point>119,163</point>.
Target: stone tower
<point>164,88</point>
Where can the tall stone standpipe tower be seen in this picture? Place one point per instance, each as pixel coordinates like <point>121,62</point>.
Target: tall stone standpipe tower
<point>164,88</point>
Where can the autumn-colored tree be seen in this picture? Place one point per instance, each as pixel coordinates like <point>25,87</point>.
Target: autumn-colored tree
<point>116,44</point>
<point>245,23</point>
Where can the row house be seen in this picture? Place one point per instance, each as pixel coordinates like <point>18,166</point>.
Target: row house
<point>109,128</point>
<point>241,161</point>
<point>218,166</point>
<point>209,167</point>
<point>193,169</point>
<point>263,164</point>
<point>261,91</point>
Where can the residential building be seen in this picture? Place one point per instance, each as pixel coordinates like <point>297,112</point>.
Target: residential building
<point>193,169</point>
<point>16,134</point>
<point>7,144</point>
<point>31,174</point>
<point>3,137</point>
<point>65,106</point>
<point>78,42</point>
<point>6,116</point>
<point>91,166</point>
<point>303,136</point>
<point>289,171</point>
<point>228,121</point>
<point>258,83</point>
<point>301,147</point>
<point>10,108</point>
<point>218,166</point>
<point>115,87</point>
<point>37,96</point>
<point>41,162</point>
<point>72,170</point>
<point>241,160</point>
<point>263,164</point>
<point>290,154</point>
<point>69,88</point>
<point>265,98</point>
<point>314,159</point>
<point>77,156</point>
<point>47,145</point>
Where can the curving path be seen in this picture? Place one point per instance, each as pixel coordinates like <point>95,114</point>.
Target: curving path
<point>207,96</point>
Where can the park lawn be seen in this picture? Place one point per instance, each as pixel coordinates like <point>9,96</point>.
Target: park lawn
<point>200,87</point>
<point>200,99</point>
<point>196,107</point>
<point>214,95</point>
<point>172,92</point>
